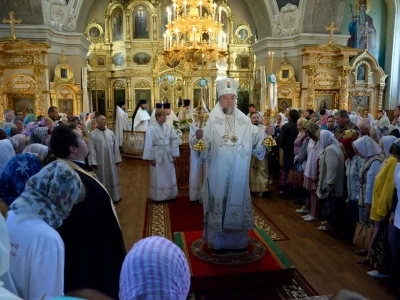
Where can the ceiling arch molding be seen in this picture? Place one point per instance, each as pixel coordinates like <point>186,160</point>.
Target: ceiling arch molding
<point>263,13</point>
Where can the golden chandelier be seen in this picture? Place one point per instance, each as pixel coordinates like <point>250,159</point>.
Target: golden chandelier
<point>194,33</point>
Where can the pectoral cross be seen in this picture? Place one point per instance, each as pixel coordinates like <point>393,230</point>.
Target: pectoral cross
<point>332,29</point>
<point>367,35</point>
<point>12,21</point>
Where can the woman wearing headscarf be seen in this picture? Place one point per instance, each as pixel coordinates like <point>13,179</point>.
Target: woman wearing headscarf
<point>353,163</point>
<point>378,255</point>
<point>29,118</point>
<point>368,149</point>
<point>30,128</point>
<point>38,149</point>
<point>378,132</point>
<point>4,259</point>
<point>331,175</point>
<point>37,264</point>
<point>354,134</point>
<point>155,268</point>
<point>365,126</point>
<point>40,135</point>
<point>20,141</point>
<point>300,156</point>
<point>6,152</point>
<point>15,175</point>
<point>383,120</point>
<point>310,174</point>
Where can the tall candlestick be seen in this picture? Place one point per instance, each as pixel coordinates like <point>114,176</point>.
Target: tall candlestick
<point>184,7</point>
<point>214,9</point>
<point>169,15</point>
<point>177,36</point>
<point>201,8</point>
<point>219,14</point>
<point>165,41</point>
<point>174,6</point>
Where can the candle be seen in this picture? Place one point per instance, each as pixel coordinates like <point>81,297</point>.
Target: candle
<point>174,6</point>
<point>209,35</point>
<point>194,35</point>
<point>201,8</point>
<point>184,7</point>
<point>165,41</point>
<point>177,36</point>
<point>219,14</point>
<point>169,15</point>
<point>214,7</point>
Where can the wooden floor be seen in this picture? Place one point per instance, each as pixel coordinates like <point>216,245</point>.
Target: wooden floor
<point>326,262</point>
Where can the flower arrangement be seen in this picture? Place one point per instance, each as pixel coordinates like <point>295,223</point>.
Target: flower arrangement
<point>183,125</point>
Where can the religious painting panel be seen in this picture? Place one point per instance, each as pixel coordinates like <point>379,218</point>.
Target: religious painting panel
<point>100,60</point>
<point>141,23</point>
<point>118,59</point>
<point>141,58</point>
<point>66,106</point>
<point>284,103</point>
<point>359,102</point>
<point>99,104</point>
<point>144,94</point>
<point>94,32</point>
<point>117,27</point>
<point>22,103</point>
<point>324,101</point>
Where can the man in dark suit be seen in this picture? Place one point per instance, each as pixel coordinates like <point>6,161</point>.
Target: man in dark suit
<point>94,245</point>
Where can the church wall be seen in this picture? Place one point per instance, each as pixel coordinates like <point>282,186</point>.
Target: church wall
<point>97,11</point>
<point>377,12</point>
<point>241,13</point>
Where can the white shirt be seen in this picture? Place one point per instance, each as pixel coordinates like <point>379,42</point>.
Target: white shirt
<point>37,259</point>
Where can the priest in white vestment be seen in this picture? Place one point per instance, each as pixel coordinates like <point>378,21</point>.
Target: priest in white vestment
<point>161,149</point>
<point>186,112</point>
<point>171,116</point>
<point>231,139</point>
<point>121,123</point>
<point>153,113</point>
<point>141,117</point>
<point>104,156</point>
<point>258,168</point>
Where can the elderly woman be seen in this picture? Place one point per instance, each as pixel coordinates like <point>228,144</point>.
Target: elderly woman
<point>40,135</point>
<point>38,149</point>
<point>6,152</point>
<point>310,174</point>
<point>382,202</point>
<point>331,174</point>
<point>15,175</point>
<point>300,160</point>
<point>20,140</point>
<point>37,264</point>
<point>353,163</point>
<point>30,128</point>
<point>155,268</point>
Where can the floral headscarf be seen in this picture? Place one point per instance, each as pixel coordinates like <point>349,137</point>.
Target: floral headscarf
<point>348,146</point>
<point>49,195</point>
<point>15,174</point>
<point>155,268</point>
<point>38,149</point>
<point>20,140</point>
<point>351,133</point>
<point>39,135</point>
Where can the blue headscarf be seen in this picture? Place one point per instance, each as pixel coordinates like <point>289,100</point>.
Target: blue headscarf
<point>15,175</point>
<point>29,118</point>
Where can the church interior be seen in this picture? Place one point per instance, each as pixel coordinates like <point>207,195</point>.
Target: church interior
<point>84,56</point>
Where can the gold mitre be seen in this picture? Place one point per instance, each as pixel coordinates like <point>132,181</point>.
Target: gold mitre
<point>227,86</point>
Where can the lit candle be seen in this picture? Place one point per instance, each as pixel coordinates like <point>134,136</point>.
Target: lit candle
<point>177,36</point>
<point>174,6</point>
<point>201,7</point>
<point>184,7</point>
<point>219,14</point>
<point>209,35</point>
<point>169,15</point>
<point>165,41</point>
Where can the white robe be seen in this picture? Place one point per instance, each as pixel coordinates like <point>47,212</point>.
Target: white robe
<point>228,214</point>
<point>171,118</point>
<point>141,122</point>
<point>121,124</point>
<point>162,145</point>
<point>189,114</point>
<point>196,170</point>
<point>258,171</point>
<point>104,153</point>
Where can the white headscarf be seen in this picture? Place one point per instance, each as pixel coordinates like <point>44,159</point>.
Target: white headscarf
<point>38,149</point>
<point>155,268</point>
<point>370,118</point>
<point>326,138</point>
<point>387,142</point>
<point>367,147</point>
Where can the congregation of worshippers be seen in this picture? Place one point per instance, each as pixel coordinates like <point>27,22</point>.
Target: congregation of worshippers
<point>59,184</point>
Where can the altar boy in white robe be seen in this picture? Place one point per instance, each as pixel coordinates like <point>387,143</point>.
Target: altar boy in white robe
<point>141,117</point>
<point>171,116</point>
<point>161,149</point>
<point>153,113</point>
<point>121,123</point>
<point>186,112</point>
<point>231,139</point>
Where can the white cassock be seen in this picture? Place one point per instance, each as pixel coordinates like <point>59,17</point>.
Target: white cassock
<point>162,145</point>
<point>121,124</point>
<point>141,122</point>
<point>196,169</point>
<point>153,117</point>
<point>171,118</point>
<point>258,170</point>
<point>188,115</point>
<point>104,153</point>
<point>228,213</point>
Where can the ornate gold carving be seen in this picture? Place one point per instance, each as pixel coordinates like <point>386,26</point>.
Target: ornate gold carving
<point>343,98</point>
<point>325,81</point>
<point>119,85</point>
<point>326,61</point>
<point>18,59</point>
<point>20,83</point>
<point>136,45</point>
<point>142,84</point>
<point>12,21</point>
<point>94,32</point>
